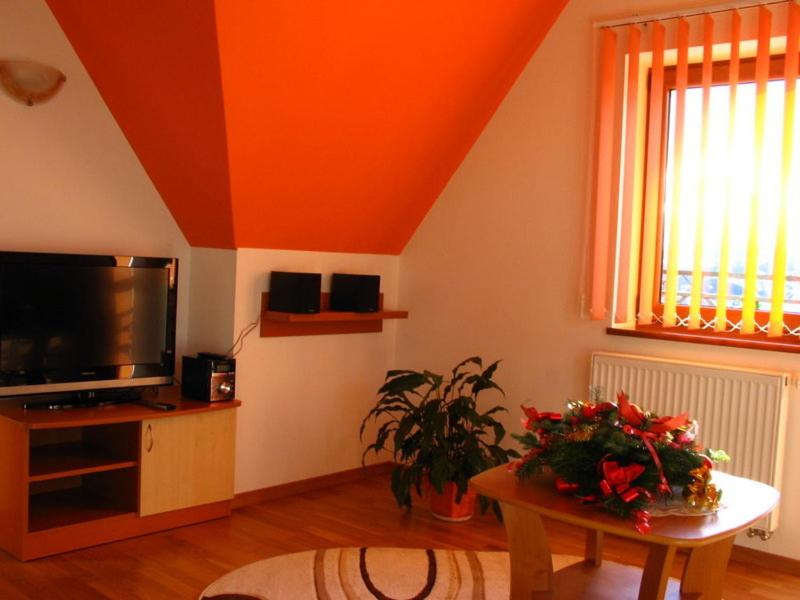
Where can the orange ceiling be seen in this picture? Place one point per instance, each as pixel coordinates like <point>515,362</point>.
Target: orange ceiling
<point>156,65</point>
<point>317,125</point>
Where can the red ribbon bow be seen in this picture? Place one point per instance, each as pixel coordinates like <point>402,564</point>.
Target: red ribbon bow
<point>533,416</point>
<point>654,431</point>
<point>657,427</point>
<point>617,475</point>
<point>590,411</point>
<point>618,480</point>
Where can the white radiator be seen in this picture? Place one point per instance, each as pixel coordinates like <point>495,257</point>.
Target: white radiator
<point>739,410</point>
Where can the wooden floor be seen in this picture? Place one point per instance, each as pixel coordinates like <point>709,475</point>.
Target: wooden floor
<point>180,563</point>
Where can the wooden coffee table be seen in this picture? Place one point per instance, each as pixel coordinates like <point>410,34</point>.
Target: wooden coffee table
<point>708,539</point>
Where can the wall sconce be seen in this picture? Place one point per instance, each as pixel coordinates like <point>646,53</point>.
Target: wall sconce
<point>30,82</point>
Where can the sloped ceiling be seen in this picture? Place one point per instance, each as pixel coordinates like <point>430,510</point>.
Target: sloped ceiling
<point>156,64</point>
<point>316,125</point>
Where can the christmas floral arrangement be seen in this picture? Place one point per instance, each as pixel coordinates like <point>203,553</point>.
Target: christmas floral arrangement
<point>620,457</point>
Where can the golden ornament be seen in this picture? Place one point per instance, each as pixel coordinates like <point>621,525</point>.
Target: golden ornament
<point>701,495</point>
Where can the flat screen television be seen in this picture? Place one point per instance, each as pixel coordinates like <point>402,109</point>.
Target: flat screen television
<point>73,322</point>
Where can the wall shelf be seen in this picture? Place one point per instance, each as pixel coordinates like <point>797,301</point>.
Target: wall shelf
<point>325,322</point>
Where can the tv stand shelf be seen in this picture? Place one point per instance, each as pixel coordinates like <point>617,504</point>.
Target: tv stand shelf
<point>325,322</point>
<point>72,459</point>
<point>76,477</point>
<point>61,508</point>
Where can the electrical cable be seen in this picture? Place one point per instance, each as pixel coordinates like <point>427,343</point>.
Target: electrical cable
<point>246,330</point>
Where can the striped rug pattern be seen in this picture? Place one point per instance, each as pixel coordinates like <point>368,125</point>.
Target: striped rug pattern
<point>371,573</point>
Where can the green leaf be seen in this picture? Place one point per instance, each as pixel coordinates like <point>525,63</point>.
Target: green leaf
<point>382,435</point>
<point>496,509</point>
<point>395,373</point>
<point>433,379</point>
<point>499,454</point>
<point>489,372</point>
<point>499,433</point>
<point>452,383</point>
<point>494,410</point>
<point>408,382</point>
<point>400,487</point>
<point>405,427</point>
<point>440,473</point>
<point>401,399</point>
<point>476,360</point>
<point>481,384</point>
<point>717,455</point>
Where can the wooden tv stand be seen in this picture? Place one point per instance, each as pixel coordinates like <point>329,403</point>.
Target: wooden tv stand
<point>78,477</point>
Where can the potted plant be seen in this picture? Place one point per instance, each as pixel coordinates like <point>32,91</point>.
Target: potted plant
<point>438,435</point>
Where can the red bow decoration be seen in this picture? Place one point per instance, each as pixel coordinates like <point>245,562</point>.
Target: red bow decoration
<point>654,431</point>
<point>618,480</point>
<point>630,412</point>
<point>606,407</point>
<point>634,416</point>
<point>534,416</point>
<point>590,411</point>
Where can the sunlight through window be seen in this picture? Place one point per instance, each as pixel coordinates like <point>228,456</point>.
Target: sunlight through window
<point>727,175</point>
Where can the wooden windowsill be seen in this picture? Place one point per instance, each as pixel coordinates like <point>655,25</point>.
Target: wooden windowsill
<point>786,343</point>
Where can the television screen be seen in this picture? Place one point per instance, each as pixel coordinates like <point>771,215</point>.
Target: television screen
<point>74,319</point>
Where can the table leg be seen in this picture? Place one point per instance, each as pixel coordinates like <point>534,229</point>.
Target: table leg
<point>531,561</point>
<point>656,572</point>
<point>704,573</point>
<point>593,555</point>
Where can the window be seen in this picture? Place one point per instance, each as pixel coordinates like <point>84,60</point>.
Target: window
<point>697,198</point>
<point>730,174</point>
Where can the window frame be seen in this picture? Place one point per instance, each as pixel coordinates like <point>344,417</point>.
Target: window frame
<point>720,70</point>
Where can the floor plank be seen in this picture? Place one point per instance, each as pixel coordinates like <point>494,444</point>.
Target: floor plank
<point>181,562</point>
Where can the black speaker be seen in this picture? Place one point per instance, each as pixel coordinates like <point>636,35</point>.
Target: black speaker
<point>356,293</point>
<point>294,292</point>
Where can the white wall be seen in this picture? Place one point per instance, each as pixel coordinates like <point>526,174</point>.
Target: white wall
<point>212,290</point>
<point>303,398</point>
<point>69,180</point>
<point>495,269</point>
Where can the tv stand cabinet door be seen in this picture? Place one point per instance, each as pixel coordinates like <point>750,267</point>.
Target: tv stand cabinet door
<point>187,461</point>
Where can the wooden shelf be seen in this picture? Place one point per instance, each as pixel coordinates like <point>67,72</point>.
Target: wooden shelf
<point>68,507</point>
<point>330,316</point>
<point>325,322</point>
<point>72,459</point>
<point>607,582</point>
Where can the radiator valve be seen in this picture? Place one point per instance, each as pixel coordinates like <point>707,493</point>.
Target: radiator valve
<point>759,533</point>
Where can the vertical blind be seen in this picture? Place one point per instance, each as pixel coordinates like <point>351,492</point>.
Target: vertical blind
<point>696,171</point>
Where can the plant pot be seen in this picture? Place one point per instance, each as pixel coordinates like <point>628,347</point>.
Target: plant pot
<point>444,506</point>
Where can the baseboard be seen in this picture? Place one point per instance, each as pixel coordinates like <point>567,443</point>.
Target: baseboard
<point>765,559</point>
<point>306,485</point>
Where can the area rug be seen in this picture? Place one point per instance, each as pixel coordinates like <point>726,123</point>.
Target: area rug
<point>369,573</point>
